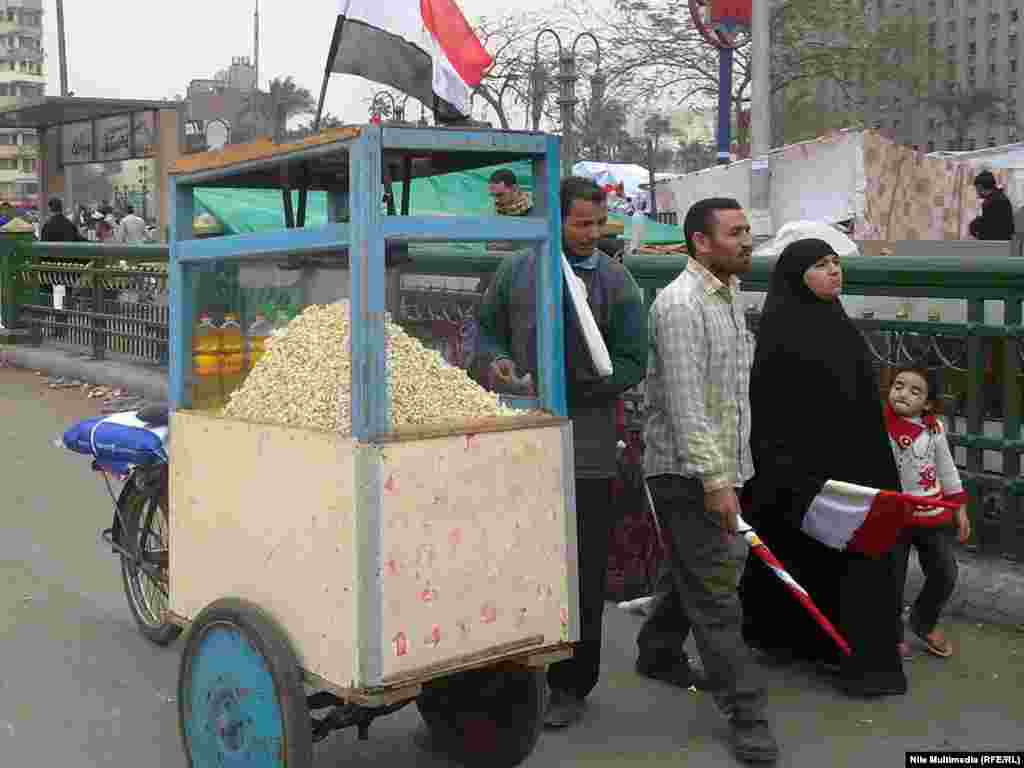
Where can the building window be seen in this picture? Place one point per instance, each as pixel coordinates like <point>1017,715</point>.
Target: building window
<point>951,26</point>
<point>28,165</point>
<point>931,146</point>
<point>932,123</point>
<point>972,23</point>
<point>1014,15</point>
<point>1013,65</point>
<point>6,138</point>
<point>972,48</point>
<point>896,125</point>
<point>991,141</point>
<point>971,70</point>
<point>972,144</point>
<point>972,83</point>
<point>1013,41</point>
<point>29,139</point>
<point>991,68</point>
<point>1013,134</point>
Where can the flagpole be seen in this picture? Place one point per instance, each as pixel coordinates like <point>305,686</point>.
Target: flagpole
<point>764,554</point>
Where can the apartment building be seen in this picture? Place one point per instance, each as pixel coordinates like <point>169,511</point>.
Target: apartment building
<point>22,79</point>
<point>983,41</point>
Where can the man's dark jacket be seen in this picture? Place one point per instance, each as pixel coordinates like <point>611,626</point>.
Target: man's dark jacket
<point>59,229</point>
<point>996,220</point>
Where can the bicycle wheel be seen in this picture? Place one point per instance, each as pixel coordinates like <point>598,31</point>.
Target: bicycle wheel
<point>146,586</point>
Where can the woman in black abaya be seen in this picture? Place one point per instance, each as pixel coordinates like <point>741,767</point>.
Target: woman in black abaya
<point>816,416</point>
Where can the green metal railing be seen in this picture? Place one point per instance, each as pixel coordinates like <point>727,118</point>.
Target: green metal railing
<point>980,364</point>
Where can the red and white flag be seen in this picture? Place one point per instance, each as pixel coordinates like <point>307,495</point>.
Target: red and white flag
<point>858,518</point>
<point>424,48</point>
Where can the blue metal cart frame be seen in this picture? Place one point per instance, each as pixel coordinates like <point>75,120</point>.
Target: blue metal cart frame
<point>366,235</point>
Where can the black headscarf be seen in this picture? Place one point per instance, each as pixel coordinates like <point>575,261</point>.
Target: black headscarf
<point>815,402</point>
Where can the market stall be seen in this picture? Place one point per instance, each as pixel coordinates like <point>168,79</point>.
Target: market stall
<point>343,503</point>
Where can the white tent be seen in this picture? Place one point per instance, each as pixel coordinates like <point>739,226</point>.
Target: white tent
<point>629,175</point>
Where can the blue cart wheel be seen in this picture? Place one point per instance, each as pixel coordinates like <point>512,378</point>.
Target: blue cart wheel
<point>241,700</point>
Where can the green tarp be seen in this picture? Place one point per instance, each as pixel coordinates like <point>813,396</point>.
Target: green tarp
<point>259,210</point>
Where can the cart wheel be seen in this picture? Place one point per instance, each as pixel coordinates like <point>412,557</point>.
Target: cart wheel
<point>241,701</point>
<point>145,533</point>
<point>486,717</point>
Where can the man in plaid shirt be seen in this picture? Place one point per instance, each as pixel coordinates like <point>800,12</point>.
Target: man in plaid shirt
<point>697,458</point>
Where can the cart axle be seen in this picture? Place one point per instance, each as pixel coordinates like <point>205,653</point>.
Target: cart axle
<point>346,715</point>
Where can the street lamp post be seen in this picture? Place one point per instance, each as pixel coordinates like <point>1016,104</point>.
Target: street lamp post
<point>567,101</point>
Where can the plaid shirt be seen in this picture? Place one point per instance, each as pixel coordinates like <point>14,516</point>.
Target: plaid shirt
<point>698,382</point>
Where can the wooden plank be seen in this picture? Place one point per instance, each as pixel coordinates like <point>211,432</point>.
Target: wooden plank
<point>365,697</point>
<point>260,149</point>
<point>544,658</point>
<point>465,661</point>
<point>469,427</point>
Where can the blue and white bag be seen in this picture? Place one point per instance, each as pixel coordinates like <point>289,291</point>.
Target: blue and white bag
<point>119,441</point>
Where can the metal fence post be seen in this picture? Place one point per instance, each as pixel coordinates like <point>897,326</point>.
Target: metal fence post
<point>98,324</point>
<point>15,237</point>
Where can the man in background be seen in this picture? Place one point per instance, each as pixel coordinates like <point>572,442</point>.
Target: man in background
<point>509,199</point>
<point>996,219</point>
<point>133,228</point>
<point>59,229</point>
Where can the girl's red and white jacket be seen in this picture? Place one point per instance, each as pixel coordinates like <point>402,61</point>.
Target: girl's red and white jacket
<point>925,464</point>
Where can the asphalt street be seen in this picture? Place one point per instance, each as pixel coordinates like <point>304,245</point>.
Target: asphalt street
<point>79,686</point>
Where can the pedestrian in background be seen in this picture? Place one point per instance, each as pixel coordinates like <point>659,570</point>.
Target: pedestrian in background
<point>996,219</point>
<point>696,462</point>
<point>133,228</point>
<point>59,229</point>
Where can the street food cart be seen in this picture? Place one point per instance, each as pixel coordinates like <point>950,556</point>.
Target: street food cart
<point>353,573</point>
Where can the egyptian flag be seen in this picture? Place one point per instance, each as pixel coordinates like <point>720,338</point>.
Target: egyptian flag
<point>856,518</point>
<point>424,48</point>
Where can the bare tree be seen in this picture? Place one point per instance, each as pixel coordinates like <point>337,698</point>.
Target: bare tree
<point>659,53</point>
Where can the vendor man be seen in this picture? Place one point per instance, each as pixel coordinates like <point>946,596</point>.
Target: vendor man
<point>509,199</point>
<point>508,332</point>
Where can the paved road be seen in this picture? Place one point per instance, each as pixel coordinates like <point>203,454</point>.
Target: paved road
<point>80,688</point>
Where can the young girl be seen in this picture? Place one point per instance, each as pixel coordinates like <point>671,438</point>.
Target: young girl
<point>927,470</point>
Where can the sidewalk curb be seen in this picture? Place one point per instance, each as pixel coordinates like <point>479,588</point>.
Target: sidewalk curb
<point>988,589</point>
<point>137,379</point>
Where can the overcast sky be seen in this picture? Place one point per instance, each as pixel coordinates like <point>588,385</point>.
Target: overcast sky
<point>148,49</point>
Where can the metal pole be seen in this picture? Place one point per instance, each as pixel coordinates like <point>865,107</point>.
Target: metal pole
<point>63,53</point>
<point>567,104</point>
<point>61,42</point>
<point>760,120</point>
<point>724,104</point>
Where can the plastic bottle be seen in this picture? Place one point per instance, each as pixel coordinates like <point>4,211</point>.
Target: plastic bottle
<point>206,364</point>
<point>233,346</point>
<point>259,330</point>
